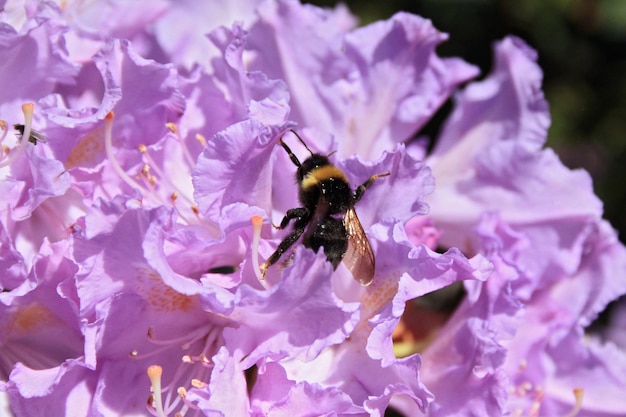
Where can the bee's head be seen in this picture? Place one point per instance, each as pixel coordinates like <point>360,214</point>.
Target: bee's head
<point>313,162</point>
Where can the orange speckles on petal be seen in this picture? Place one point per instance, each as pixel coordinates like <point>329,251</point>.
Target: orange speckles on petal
<point>161,297</point>
<point>28,318</point>
<point>378,294</point>
<point>165,299</point>
<point>88,152</point>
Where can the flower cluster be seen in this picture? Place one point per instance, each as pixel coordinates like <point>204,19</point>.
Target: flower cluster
<point>141,174</point>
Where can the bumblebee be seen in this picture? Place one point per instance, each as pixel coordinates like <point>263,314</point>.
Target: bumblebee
<point>327,218</point>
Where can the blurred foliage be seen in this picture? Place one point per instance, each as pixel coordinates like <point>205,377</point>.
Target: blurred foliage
<point>582,50</point>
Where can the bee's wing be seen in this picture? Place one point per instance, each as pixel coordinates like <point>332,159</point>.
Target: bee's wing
<point>359,257</point>
<point>36,136</point>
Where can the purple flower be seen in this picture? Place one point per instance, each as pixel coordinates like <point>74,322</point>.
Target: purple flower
<point>42,338</point>
<point>131,241</point>
<point>513,201</point>
<point>372,87</point>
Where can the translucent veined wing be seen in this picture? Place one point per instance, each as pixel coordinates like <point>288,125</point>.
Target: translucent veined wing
<point>358,257</point>
<point>34,136</point>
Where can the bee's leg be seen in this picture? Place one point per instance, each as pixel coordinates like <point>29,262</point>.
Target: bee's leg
<point>295,213</point>
<point>358,193</point>
<point>302,216</point>
<point>282,248</point>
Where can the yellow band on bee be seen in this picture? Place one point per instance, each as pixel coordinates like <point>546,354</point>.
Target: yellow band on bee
<point>321,174</point>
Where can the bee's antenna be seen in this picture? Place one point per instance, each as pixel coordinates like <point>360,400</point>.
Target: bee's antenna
<point>332,153</point>
<point>293,158</point>
<point>301,141</point>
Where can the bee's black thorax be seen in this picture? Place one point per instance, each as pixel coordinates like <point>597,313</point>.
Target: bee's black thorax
<point>321,181</point>
<point>310,164</point>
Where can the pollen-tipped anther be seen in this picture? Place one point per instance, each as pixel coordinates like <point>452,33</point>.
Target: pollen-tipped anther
<point>4,128</point>
<point>196,383</point>
<point>259,270</point>
<point>28,110</point>
<point>578,404</point>
<point>154,373</point>
<point>201,140</point>
<point>172,127</point>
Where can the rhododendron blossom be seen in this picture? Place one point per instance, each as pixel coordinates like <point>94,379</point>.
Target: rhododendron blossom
<point>142,173</point>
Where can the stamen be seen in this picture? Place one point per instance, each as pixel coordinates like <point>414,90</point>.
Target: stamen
<point>4,126</point>
<point>201,359</point>
<point>163,180</point>
<point>578,405</point>
<point>196,383</point>
<point>259,270</point>
<point>134,354</point>
<point>150,179</point>
<point>154,373</point>
<point>522,365</point>
<point>27,109</point>
<point>108,144</point>
<point>170,398</point>
<point>211,342</point>
<point>182,394</point>
<point>525,388</point>
<point>536,396</point>
<point>164,344</point>
<point>151,165</point>
<point>174,130</point>
<point>172,127</point>
<point>184,340</point>
<point>201,140</point>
